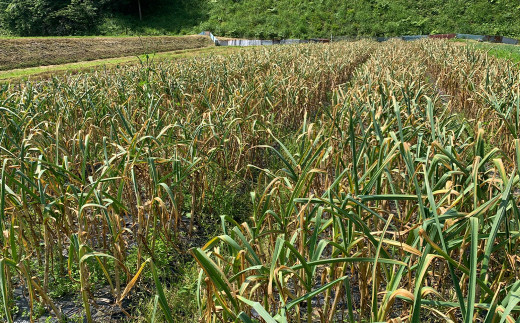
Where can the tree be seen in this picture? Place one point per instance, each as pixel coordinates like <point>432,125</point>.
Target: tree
<point>51,17</point>
<point>134,7</point>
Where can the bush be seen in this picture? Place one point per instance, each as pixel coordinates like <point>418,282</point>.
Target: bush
<point>50,17</point>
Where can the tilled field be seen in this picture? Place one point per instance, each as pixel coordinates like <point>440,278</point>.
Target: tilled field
<point>29,52</point>
<point>332,182</point>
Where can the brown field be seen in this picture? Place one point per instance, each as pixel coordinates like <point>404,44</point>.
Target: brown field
<point>29,52</point>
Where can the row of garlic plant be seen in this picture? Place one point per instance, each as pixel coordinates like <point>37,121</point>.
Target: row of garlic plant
<point>95,163</point>
<point>479,85</point>
<point>390,203</point>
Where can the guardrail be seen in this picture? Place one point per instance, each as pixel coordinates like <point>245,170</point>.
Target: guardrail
<point>260,42</point>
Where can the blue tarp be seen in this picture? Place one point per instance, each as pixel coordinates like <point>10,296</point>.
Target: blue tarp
<point>471,37</point>
<point>507,40</point>
<point>415,37</point>
<point>290,41</point>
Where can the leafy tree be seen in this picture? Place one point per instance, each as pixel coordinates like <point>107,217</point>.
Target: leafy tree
<point>24,17</point>
<point>50,17</point>
<point>78,17</point>
<point>136,7</point>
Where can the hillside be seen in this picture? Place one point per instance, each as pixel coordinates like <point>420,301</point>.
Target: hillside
<point>263,18</point>
<point>321,18</point>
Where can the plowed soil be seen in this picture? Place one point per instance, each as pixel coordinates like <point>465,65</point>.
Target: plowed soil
<point>30,52</point>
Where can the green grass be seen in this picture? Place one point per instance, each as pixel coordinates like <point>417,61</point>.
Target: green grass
<point>47,71</point>
<point>180,295</point>
<point>294,18</point>
<point>503,51</point>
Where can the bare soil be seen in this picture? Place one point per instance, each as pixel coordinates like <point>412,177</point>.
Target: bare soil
<point>30,52</point>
